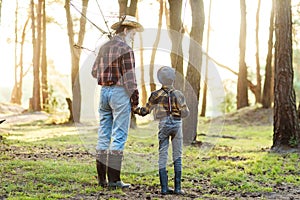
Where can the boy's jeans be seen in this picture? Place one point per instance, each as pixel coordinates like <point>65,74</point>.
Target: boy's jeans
<point>114,112</point>
<point>169,127</point>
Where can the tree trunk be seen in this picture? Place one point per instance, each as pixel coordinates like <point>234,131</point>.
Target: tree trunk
<point>267,98</point>
<point>36,98</point>
<point>193,75</point>
<point>176,35</point>
<point>143,86</point>
<point>286,124</point>
<point>258,76</point>
<point>203,109</point>
<point>70,107</point>
<point>75,57</point>
<point>155,45</point>
<point>14,97</point>
<point>298,111</point>
<point>131,10</point>
<point>124,10</point>
<point>242,87</point>
<point>44,60</point>
<point>122,7</point>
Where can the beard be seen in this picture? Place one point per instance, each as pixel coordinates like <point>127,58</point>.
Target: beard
<point>129,40</point>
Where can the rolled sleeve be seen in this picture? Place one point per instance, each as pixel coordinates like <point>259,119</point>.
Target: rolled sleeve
<point>129,78</point>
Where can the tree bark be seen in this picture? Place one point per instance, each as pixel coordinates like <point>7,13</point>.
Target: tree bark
<point>14,95</point>
<point>258,76</point>
<point>155,45</point>
<point>132,10</point>
<point>268,97</point>
<point>143,86</point>
<point>193,75</point>
<point>75,57</point>
<point>176,35</point>
<point>44,60</point>
<point>203,108</point>
<point>286,123</point>
<point>298,111</point>
<point>242,87</point>
<point>122,7</point>
<point>36,42</point>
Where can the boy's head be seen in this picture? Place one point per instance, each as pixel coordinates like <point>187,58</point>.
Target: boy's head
<point>166,75</point>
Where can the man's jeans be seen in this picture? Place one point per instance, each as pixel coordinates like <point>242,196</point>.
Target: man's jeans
<point>170,128</point>
<point>114,112</point>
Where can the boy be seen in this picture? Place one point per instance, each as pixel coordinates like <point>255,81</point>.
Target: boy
<point>169,107</point>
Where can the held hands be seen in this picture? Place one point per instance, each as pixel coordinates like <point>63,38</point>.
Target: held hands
<point>140,111</point>
<point>134,100</point>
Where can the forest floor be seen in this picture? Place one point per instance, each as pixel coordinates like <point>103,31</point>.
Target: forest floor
<point>18,120</point>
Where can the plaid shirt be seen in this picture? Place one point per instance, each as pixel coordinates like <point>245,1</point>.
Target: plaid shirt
<point>162,106</point>
<point>115,63</point>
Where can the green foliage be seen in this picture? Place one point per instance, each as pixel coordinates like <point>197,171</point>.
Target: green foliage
<point>294,141</point>
<point>229,103</point>
<point>55,103</point>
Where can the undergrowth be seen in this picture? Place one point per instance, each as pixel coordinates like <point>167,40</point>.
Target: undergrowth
<point>63,166</point>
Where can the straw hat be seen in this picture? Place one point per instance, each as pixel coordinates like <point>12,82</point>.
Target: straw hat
<point>128,21</point>
<point>166,75</point>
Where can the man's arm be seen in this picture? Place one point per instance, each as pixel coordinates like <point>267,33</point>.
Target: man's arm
<point>95,67</point>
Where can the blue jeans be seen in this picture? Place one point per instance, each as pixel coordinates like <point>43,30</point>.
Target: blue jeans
<point>170,128</point>
<point>114,113</point>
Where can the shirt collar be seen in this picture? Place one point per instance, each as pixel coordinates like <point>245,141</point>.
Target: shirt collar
<point>168,87</point>
<point>119,38</point>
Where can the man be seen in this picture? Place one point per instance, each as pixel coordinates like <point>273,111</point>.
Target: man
<point>114,69</point>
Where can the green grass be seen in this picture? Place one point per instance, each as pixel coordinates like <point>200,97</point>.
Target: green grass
<point>241,164</point>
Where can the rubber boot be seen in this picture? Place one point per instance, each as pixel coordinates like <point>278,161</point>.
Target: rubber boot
<point>163,178</point>
<point>101,164</point>
<point>114,171</point>
<point>177,183</point>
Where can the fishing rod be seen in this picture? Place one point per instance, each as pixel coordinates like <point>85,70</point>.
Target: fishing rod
<point>101,30</point>
<point>109,33</point>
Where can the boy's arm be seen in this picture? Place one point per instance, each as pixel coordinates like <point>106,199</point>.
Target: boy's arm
<point>184,110</point>
<point>148,108</point>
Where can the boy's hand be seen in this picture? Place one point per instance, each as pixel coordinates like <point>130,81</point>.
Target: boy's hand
<point>140,111</point>
<point>143,111</point>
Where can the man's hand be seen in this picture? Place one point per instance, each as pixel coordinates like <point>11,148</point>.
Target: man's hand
<point>134,99</point>
<point>135,110</point>
<point>143,111</point>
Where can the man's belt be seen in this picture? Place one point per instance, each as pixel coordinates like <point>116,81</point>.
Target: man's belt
<point>108,83</point>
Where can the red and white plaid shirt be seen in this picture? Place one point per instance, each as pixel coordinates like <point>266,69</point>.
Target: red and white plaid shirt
<point>115,63</point>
